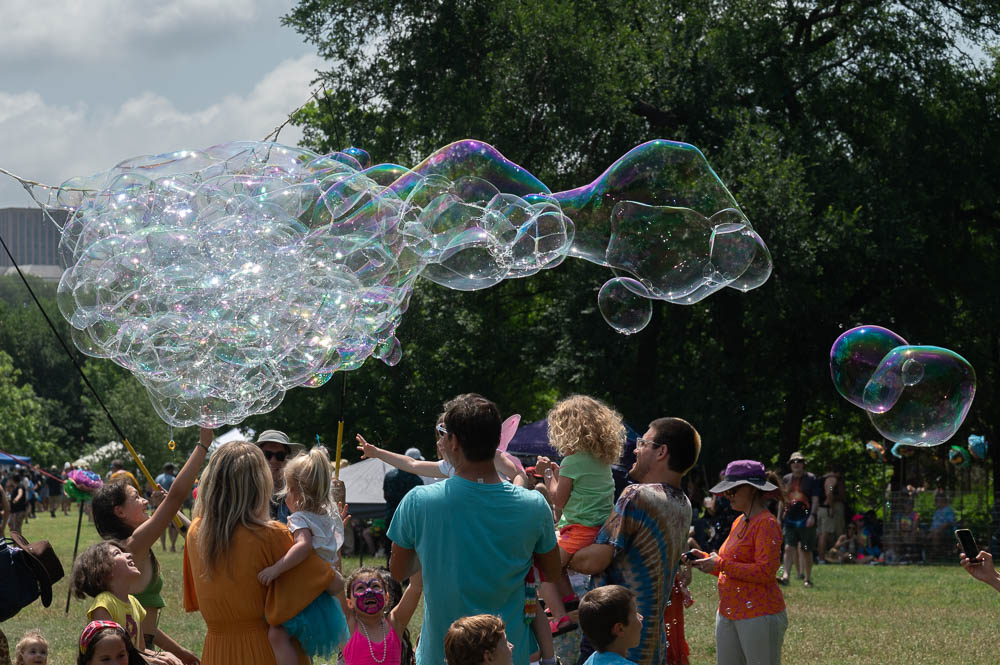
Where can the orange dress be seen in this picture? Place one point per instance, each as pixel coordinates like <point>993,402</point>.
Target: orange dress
<point>238,609</point>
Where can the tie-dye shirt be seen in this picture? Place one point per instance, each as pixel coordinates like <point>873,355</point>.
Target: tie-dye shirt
<point>648,530</point>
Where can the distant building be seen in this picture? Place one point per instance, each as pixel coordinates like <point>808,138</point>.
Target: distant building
<point>33,240</point>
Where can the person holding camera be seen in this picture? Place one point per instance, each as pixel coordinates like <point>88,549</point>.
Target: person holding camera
<point>981,568</point>
<point>751,621</point>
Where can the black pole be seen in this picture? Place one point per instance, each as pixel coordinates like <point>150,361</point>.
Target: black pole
<point>76,545</point>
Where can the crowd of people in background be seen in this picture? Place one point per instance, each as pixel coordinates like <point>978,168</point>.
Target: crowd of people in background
<point>261,558</point>
<point>28,490</point>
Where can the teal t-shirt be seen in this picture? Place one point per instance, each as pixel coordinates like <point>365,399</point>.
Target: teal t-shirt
<point>607,658</point>
<point>593,494</point>
<point>475,543</point>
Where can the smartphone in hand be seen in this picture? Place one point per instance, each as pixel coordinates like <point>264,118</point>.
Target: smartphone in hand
<point>693,555</point>
<point>968,544</point>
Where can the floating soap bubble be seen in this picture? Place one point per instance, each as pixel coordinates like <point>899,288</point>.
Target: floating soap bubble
<point>978,447</point>
<point>853,359</point>
<point>959,457</point>
<point>925,413</point>
<point>222,278</point>
<point>390,351</point>
<point>625,305</point>
<point>912,372</point>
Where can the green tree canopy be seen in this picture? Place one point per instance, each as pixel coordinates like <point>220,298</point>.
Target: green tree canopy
<point>22,413</point>
<point>859,137</point>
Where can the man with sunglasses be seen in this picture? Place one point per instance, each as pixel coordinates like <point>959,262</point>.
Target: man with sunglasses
<point>799,518</point>
<point>639,546</point>
<point>277,450</point>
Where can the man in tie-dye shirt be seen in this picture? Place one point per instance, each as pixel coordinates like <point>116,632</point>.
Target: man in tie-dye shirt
<point>640,545</point>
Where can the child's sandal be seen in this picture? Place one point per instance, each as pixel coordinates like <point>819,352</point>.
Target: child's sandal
<point>562,626</point>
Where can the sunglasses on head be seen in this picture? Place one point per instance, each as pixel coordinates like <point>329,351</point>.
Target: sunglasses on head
<point>268,454</point>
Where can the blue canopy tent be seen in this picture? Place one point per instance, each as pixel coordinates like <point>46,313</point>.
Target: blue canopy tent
<point>7,459</point>
<point>532,440</point>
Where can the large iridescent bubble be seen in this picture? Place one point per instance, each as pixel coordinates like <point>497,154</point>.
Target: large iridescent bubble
<point>930,390</point>
<point>914,395</point>
<point>223,277</point>
<point>854,357</point>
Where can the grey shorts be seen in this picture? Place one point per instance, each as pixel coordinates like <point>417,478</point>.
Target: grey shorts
<point>804,536</point>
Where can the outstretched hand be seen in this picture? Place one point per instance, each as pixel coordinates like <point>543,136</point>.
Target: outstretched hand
<point>205,437</point>
<point>345,515</point>
<point>368,451</point>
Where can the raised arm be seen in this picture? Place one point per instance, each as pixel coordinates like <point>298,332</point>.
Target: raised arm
<point>146,535</point>
<point>403,611</point>
<point>402,462</point>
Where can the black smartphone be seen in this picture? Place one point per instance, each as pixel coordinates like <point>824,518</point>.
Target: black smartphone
<point>968,543</point>
<point>693,555</point>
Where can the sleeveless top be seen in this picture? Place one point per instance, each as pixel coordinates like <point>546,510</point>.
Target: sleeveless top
<point>359,650</point>
<point>150,596</point>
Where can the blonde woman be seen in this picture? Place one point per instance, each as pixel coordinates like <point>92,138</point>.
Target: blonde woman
<point>230,541</point>
<point>589,435</point>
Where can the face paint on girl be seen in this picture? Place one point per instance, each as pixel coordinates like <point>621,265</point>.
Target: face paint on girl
<point>369,596</point>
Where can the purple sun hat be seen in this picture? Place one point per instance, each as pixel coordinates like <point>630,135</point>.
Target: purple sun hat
<point>744,472</point>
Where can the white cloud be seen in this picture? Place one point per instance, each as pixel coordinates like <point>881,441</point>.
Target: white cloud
<point>90,29</point>
<point>49,141</point>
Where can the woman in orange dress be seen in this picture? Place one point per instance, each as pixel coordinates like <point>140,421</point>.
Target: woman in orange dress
<point>751,622</point>
<point>229,542</point>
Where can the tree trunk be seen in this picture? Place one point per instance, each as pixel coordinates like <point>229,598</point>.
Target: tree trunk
<point>791,426</point>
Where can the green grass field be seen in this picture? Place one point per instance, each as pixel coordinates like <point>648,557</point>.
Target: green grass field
<point>855,615</point>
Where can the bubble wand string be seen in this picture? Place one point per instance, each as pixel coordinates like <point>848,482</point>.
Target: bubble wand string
<point>39,469</point>
<point>125,441</point>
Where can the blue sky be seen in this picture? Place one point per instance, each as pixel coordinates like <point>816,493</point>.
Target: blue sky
<point>87,84</point>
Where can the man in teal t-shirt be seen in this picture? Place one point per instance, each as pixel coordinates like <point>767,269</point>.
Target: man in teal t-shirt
<point>473,536</point>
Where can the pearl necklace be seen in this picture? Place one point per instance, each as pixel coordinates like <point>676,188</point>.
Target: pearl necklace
<point>385,641</point>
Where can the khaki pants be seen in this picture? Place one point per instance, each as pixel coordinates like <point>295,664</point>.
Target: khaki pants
<point>754,641</point>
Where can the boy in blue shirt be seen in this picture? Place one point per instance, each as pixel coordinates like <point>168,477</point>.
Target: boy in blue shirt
<point>610,621</point>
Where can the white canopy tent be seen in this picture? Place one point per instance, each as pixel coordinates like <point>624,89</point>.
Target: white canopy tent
<point>363,483</point>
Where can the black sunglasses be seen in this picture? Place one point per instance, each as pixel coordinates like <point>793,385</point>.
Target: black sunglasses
<point>278,456</point>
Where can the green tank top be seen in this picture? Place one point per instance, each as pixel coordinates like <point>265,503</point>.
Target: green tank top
<point>150,596</point>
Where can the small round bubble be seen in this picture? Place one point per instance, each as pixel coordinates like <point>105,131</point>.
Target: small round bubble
<point>623,305</point>
<point>912,372</point>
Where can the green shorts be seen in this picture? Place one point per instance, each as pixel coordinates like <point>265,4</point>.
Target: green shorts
<point>804,536</point>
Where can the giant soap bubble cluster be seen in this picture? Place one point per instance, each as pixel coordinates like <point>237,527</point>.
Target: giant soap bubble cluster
<point>223,277</point>
<point>914,395</point>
